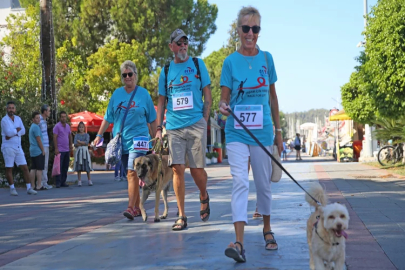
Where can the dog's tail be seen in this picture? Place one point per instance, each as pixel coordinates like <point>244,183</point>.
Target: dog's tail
<point>318,193</point>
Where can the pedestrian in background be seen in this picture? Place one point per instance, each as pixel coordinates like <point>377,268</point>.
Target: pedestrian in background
<point>82,155</point>
<point>37,152</point>
<point>12,129</point>
<point>62,140</point>
<point>45,113</point>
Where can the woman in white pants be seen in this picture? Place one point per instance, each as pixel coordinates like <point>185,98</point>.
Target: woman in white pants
<point>248,86</point>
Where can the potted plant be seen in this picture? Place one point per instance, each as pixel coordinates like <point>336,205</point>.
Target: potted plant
<point>208,158</point>
<point>214,157</point>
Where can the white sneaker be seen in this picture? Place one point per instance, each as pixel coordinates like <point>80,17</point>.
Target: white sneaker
<point>13,192</point>
<point>117,178</point>
<point>48,186</point>
<point>31,192</point>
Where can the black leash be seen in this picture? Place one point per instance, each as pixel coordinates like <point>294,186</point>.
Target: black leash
<point>268,153</point>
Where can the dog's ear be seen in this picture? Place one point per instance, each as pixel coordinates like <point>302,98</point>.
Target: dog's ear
<point>150,164</point>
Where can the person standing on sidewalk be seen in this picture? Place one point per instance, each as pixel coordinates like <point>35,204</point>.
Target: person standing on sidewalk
<point>256,68</point>
<point>37,152</point>
<point>12,129</point>
<point>135,132</point>
<point>62,140</point>
<point>82,155</point>
<point>297,146</point>
<point>184,82</point>
<point>45,113</point>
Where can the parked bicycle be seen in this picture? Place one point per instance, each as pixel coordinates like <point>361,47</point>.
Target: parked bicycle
<point>391,154</point>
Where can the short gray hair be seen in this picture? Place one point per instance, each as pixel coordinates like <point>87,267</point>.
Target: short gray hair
<point>128,64</point>
<point>250,11</point>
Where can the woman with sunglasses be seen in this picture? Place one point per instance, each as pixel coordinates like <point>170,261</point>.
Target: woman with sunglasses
<point>141,112</point>
<point>250,71</point>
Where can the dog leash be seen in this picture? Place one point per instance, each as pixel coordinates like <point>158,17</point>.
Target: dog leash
<point>268,153</point>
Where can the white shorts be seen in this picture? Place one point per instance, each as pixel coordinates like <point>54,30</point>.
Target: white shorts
<point>12,155</point>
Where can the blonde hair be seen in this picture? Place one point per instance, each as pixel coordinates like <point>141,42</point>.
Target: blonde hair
<point>248,11</point>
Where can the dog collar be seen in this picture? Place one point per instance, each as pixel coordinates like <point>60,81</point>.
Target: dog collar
<point>316,231</point>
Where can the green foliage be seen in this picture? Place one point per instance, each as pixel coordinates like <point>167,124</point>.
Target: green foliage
<point>214,63</point>
<point>388,129</point>
<point>20,75</point>
<point>149,22</point>
<point>356,97</point>
<point>385,36</point>
<point>104,76</point>
<point>208,155</point>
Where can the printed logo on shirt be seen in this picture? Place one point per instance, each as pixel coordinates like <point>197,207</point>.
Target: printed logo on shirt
<point>263,71</point>
<point>253,90</point>
<point>189,70</point>
<point>122,108</point>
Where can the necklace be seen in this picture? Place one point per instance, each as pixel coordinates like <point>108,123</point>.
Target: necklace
<point>250,63</point>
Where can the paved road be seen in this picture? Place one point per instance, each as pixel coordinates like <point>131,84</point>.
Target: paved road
<point>83,228</point>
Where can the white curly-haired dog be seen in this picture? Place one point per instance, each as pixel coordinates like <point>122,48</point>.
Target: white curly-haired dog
<point>325,228</point>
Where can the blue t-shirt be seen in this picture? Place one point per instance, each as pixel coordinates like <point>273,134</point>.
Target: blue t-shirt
<point>35,131</point>
<point>250,89</point>
<point>141,112</point>
<point>182,83</point>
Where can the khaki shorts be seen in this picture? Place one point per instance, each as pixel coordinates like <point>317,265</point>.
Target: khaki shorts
<point>190,141</point>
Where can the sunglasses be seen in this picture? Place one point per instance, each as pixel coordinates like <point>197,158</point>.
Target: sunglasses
<point>182,42</point>
<point>246,29</point>
<point>130,74</point>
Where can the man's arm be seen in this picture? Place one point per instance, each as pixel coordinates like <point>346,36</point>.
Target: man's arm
<point>70,141</point>
<point>207,102</point>
<point>8,131</point>
<point>22,131</point>
<point>160,116</point>
<point>55,143</point>
<point>39,141</point>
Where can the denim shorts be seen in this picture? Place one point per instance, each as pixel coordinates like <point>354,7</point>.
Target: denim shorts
<point>128,160</point>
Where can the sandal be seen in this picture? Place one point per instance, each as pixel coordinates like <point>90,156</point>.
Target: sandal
<point>182,225</point>
<point>234,253</point>
<point>206,210</point>
<point>257,215</point>
<point>269,241</point>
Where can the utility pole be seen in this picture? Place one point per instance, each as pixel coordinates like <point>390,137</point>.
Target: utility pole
<point>47,47</point>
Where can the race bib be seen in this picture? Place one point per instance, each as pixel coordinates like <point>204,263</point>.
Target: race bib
<point>250,115</point>
<point>182,101</point>
<point>141,143</point>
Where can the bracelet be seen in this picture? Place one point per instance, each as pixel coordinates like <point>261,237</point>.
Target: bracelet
<point>98,135</point>
<point>279,129</point>
<point>159,128</point>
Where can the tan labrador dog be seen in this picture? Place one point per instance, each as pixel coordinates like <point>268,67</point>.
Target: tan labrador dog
<point>147,168</point>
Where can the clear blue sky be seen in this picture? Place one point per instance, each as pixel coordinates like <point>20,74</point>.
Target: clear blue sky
<point>313,44</point>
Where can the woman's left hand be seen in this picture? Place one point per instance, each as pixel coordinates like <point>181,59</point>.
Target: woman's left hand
<point>278,140</point>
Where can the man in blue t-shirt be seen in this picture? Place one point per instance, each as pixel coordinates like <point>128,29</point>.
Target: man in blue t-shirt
<point>37,152</point>
<point>188,95</point>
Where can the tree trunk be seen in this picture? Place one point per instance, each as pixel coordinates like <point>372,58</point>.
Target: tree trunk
<point>47,43</point>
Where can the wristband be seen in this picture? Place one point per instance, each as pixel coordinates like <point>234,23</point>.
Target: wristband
<point>279,129</point>
<point>98,135</point>
<point>159,128</point>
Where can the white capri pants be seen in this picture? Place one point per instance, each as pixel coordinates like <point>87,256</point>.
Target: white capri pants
<point>238,157</point>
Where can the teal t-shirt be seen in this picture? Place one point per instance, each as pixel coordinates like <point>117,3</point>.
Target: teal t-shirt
<point>35,131</point>
<point>249,96</point>
<point>141,112</point>
<point>184,92</point>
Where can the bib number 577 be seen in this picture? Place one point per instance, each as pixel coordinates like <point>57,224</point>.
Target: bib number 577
<point>245,117</point>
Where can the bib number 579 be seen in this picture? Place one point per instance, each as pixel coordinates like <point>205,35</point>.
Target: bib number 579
<point>182,101</point>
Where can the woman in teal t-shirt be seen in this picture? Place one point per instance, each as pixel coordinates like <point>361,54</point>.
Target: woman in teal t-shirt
<point>248,86</point>
<point>141,112</point>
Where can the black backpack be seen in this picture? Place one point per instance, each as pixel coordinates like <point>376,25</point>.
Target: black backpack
<point>166,69</point>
